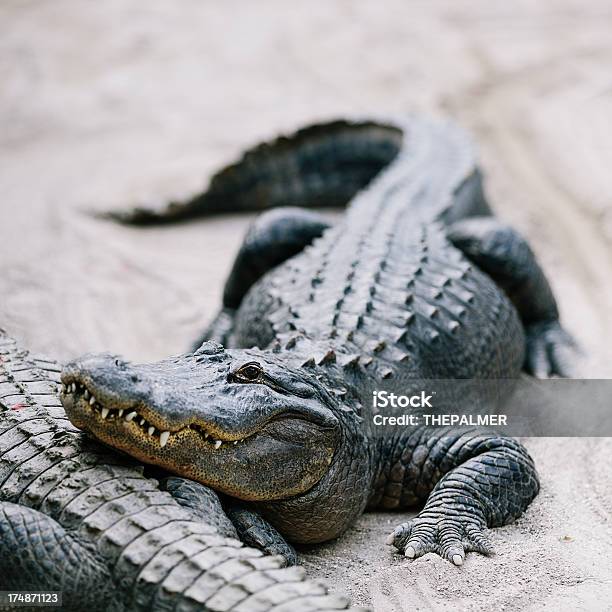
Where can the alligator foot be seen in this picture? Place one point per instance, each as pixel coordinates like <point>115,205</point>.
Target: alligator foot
<point>449,537</point>
<point>255,531</point>
<point>551,351</point>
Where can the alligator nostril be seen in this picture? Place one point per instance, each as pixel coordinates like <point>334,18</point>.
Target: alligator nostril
<point>134,378</point>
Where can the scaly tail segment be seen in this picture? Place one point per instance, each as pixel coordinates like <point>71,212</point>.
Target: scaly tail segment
<point>323,165</point>
<point>77,518</point>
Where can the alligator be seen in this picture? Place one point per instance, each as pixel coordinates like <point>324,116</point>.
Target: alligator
<point>417,281</point>
<point>80,519</point>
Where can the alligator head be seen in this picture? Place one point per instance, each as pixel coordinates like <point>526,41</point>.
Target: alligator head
<point>241,421</point>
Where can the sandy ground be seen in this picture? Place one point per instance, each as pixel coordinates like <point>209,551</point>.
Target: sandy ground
<point>107,104</point>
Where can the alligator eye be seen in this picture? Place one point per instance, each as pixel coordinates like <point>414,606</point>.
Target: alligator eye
<point>249,372</point>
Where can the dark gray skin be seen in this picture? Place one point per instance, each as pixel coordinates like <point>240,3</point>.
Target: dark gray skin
<point>417,281</point>
<point>79,518</point>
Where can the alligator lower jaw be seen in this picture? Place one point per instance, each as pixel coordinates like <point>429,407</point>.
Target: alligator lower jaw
<point>105,415</point>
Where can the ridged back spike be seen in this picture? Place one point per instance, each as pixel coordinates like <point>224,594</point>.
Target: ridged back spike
<point>328,357</point>
<point>210,348</point>
<point>291,342</point>
<point>349,361</point>
<point>379,346</point>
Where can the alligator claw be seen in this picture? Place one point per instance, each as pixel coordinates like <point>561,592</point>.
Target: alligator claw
<point>551,351</point>
<point>450,538</point>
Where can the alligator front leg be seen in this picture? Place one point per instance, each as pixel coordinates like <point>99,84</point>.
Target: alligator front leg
<point>255,531</point>
<point>477,480</point>
<point>202,501</point>
<point>504,254</point>
<point>230,518</point>
<point>274,237</point>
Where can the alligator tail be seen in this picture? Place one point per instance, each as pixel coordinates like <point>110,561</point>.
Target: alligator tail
<point>319,166</point>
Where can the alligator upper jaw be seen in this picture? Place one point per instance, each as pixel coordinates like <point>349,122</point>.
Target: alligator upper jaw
<point>277,459</point>
<point>94,411</point>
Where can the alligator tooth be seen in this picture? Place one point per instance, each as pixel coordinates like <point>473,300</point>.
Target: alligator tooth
<point>121,412</point>
<point>218,443</point>
<point>142,421</point>
<point>151,430</point>
<point>73,388</point>
<point>163,438</point>
<point>92,401</point>
<point>86,394</point>
<point>206,435</point>
<point>235,442</point>
<point>130,416</point>
<point>104,412</point>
